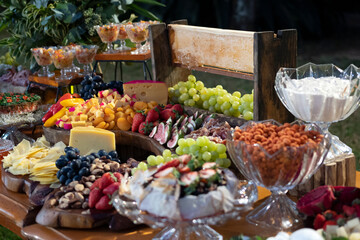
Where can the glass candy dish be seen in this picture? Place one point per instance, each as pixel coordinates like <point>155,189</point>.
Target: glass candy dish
<point>137,33</point>
<point>43,58</point>
<point>244,197</point>
<point>122,36</point>
<point>278,172</point>
<point>63,59</point>
<point>108,34</point>
<point>320,94</point>
<point>85,55</point>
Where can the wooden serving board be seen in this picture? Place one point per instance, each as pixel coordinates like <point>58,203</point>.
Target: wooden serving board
<point>127,142</point>
<point>79,218</point>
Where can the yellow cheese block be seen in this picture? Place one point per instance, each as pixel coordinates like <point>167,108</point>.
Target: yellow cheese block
<point>147,91</point>
<point>90,139</point>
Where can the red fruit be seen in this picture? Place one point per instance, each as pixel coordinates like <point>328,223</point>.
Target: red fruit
<point>346,195</point>
<point>103,203</point>
<point>137,120</point>
<point>95,184</point>
<point>172,163</point>
<point>164,172</point>
<point>178,108</point>
<point>94,197</point>
<point>329,222</point>
<point>184,159</point>
<point>185,169</point>
<point>349,211</point>
<point>319,221</point>
<point>145,128</point>
<point>168,113</point>
<point>330,214</point>
<point>111,188</point>
<point>118,176</point>
<point>169,106</point>
<point>106,180</point>
<point>207,173</point>
<point>357,208</point>
<point>209,165</point>
<point>153,115</point>
<point>189,178</point>
<point>316,201</point>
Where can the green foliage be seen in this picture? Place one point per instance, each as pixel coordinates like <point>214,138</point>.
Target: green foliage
<point>36,23</point>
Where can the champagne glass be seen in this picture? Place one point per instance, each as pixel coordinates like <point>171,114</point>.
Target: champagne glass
<point>137,33</point>
<point>43,58</point>
<point>63,58</point>
<point>122,37</point>
<point>108,34</point>
<point>85,55</point>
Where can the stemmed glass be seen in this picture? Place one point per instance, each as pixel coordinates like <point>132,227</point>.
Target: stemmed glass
<point>278,172</point>
<point>85,55</point>
<point>146,46</point>
<point>63,58</point>
<point>108,34</point>
<point>137,33</point>
<point>321,94</point>
<point>43,58</point>
<point>73,69</point>
<point>122,37</point>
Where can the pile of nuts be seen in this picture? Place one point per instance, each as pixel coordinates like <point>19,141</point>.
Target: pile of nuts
<point>76,194</point>
<point>276,151</point>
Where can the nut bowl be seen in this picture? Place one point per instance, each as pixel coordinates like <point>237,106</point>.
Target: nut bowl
<point>321,94</point>
<point>244,196</point>
<point>277,170</point>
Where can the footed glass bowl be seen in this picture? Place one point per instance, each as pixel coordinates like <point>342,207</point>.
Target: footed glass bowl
<point>320,94</point>
<point>279,172</point>
<point>244,197</point>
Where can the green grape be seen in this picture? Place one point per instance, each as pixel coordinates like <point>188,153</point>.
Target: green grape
<point>212,109</point>
<point>199,103</point>
<point>159,160</point>
<point>183,97</point>
<point>204,91</point>
<point>190,102</point>
<point>190,141</point>
<point>204,97</point>
<point>206,105</point>
<point>247,98</point>
<point>183,90</point>
<point>248,115</point>
<point>237,94</point>
<point>214,155</point>
<point>191,78</point>
<point>241,109</point>
<point>211,91</point>
<point>226,163</point>
<point>220,100</point>
<point>177,93</point>
<point>181,84</point>
<point>212,100</point>
<point>231,111</point>
<point>220,148</point>
<point>204,149</point>
<point>252,106</point>
<point>201,141</point>
<point>176,86</point>
<point>220,162</point>
<point>167,159</point>
<point>226,98</point>
<point>192,91</point>
<point>179,150</point>
<point>166,153</point>
<point>225,106</point>
<point>171,91</point>
<point>222,155</point>
<point>182,142</point>
<point>185,150</point>
<point>246,105</point>
<point>194,148</point>
<point>189,85</point>
<point>212,146</point>
<point>196,97</point>
<point>236,113</point>
<point>142,166</point>
<point>227,112</point>
<point>219,87</point>
<point>151,160</point>
<point>186,102</point>
<point>217,107</point>
<point>199,85</point>
<point>206,156</point>
<point>235,105</point>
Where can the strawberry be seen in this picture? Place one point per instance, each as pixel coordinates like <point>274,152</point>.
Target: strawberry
<point>145,128</point>
<point>139,117</point>
<point>185,158</point>
<point>169,106</point>
<point>185,169</point>
<point>152,115</point>
<point>178,108</point>
<point>207,173</point>
<point>319,221</point>
<point>209,165</point>
<point>106,180</point>
<point>172,163</point>
<point>168,113</point>
<point>189,178</point>
<point>94,197</point>
<point>95,184</point>
<point>119,176</point>
<point>164,172</point>
<point>329,222</point>
<point>103,203</point>
<point>111,188</point>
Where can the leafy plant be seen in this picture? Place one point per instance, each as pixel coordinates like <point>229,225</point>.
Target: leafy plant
<point>36,23</point>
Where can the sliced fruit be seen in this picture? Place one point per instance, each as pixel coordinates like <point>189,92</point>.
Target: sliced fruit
<point>166,135</point>
<point>164,172</point>
<point>189,178</point>
<point>153,132</point>
<point>172,143</point>
<point>208,165</point>
<point>172,163</point>
<point>178,122</point>
<point>184,121</point>
<point>160,131</point>
<point>196,114</point>
<point>184,159</point>
<point>207,173</point>
<point>316,201</point>
<point>185,169</point>
<point>198,123</point>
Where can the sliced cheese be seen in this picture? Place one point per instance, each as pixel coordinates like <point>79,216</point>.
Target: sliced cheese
<point>90,139</point>
<point>147,91</point>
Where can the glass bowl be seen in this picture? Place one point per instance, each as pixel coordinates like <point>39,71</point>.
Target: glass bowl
<point>244,196</point>
<point>43,58</point>
<point>278,171</point>
<point>63,59</point>
<point>122,37</point>
<point>320,94</point>
<point>137,33</point>
<point>85,55</point>
<point>108,34</point>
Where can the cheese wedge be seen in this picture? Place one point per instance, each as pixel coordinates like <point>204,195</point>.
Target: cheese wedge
<point>147,91</point>
<point>90,139</point>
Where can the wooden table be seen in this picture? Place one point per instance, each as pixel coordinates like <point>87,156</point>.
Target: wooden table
<point>124,56</point>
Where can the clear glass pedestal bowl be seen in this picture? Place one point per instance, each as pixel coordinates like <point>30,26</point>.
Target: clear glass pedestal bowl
<point>244,197</point>
<point>279,172</point>
<point>42,56</point>
<point>85,55</point>
<point>321,94</point>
